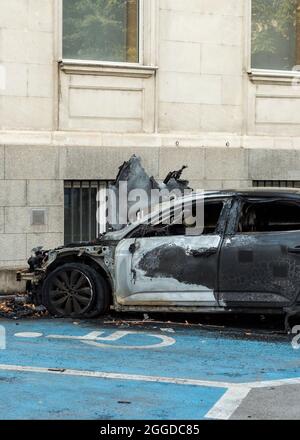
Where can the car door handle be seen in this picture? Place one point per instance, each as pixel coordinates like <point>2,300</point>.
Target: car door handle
<point>203,252</point>
<point>134,247</point>
<point>295,250</point>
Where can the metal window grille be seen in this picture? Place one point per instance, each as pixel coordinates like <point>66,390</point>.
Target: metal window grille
<point>82,210</point>
<point>276,183</point>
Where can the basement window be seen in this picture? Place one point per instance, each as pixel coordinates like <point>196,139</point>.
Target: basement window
<point>82,210</point>
<point>276,183</point>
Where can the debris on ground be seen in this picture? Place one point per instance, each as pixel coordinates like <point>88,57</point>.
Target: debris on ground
<point>167,330</point>
<point>127,322</point>
<point>18,307</point>
<point>239,326</point>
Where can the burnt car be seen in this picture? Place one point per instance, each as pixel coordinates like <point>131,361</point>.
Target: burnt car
<point>246,259</point>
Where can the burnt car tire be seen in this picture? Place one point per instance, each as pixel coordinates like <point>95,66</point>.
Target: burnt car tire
<point>102,302</point>
<point>75,290</point>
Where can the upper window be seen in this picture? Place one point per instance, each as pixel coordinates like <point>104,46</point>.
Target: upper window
<point>275,34</point>
<point>101,30</point>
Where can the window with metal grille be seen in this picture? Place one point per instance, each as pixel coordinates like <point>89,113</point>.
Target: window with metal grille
<point>82,209</point>
<point>276,183</point>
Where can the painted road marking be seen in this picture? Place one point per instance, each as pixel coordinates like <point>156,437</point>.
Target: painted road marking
<point>228,403</point>
<point>29,335</point>
<point>232,399</point>
<point>92,338</point>
<point>119,376</point>
<point>222,410</point>
<point>219,359</point>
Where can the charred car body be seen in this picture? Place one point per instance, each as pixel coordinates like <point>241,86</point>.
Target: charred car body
<point>247,259</point>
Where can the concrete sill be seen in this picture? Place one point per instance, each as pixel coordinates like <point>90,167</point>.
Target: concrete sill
<point>278,77</point>
<point>71,67</point>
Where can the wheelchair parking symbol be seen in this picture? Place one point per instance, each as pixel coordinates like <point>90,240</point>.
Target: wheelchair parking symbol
<point>96,339</point>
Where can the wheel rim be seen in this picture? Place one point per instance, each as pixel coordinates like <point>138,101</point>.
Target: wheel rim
<point>70,292</point>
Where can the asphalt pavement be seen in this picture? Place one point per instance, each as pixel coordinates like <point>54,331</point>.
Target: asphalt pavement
<point>64,369</point>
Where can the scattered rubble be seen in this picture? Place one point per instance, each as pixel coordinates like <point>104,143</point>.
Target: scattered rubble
<point>167,330</point>
<point>237,326</point>
<point>18,307</point>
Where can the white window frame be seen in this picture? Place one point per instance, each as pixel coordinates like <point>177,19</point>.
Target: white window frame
<point>142,11</point>
<point>265,74</point>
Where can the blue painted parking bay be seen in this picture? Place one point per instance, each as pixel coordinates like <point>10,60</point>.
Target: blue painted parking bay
<point>56,369</point>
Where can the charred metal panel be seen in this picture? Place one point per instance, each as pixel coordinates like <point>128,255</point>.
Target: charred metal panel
<point>281,270</point>
<point>271,276</point>
<point>245,256</point>
<point>133,173</point>
<point>182,264</point>
<point>179,269</point>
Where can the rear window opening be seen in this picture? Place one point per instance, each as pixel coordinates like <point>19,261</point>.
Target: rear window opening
<point>269,216</point>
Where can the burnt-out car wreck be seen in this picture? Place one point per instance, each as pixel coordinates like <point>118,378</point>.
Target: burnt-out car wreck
<point>246,259</point>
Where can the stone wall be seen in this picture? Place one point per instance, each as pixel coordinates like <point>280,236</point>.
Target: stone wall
<point>193,100</point>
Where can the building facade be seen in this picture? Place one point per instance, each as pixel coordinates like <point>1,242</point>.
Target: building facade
<point>84,84</point>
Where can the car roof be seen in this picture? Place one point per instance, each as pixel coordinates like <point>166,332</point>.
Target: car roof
<point>272,193</point>
<point>256,192</point>
<point>289,193</point>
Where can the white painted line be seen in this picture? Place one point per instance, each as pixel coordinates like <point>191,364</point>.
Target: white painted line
<point>119,376</point>
<point>144,378</point>
<point>228,403</point>
<point>222,410</point>
<point>232,399</point>
<point>29,335</point>
<point>275,383</point>
<point>167,330</point>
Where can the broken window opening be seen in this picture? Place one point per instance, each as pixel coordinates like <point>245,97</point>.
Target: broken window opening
<point>269,216</point>
<point>179,227</point>
<point>212,213</point>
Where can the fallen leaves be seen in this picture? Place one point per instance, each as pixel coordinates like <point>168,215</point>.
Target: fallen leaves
<point>18,307</point>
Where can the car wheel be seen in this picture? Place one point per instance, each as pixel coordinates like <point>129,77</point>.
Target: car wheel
<point>102,302</point>
<point>75,290</point>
